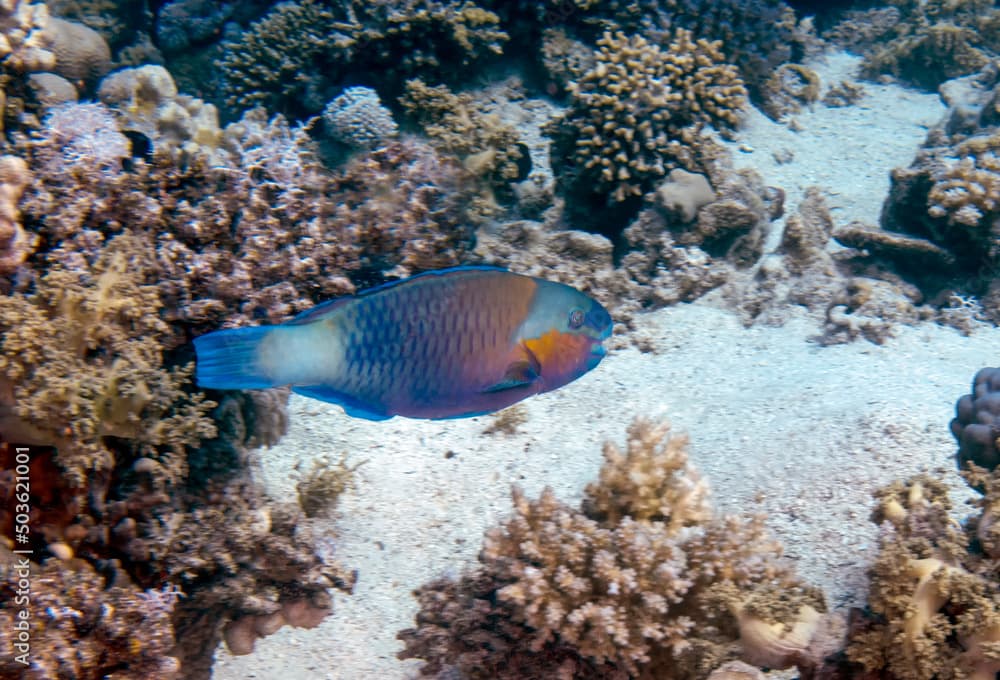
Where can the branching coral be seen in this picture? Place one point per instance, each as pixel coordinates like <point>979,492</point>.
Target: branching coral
<point>486,146</point>
<point>634,115</point>
<point>247,568</point>
<point>276,233</point>
<point>643,582</point>
<point>934,601</point>
<point>966,194</point>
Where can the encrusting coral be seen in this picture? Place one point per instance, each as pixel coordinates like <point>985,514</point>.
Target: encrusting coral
<point>645,581</point>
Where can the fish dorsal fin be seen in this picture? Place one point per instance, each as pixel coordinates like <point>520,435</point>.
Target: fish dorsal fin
<point>319,310</point>
<point>324,307</point>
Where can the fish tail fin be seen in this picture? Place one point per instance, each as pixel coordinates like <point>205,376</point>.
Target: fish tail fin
<point>230,359</point>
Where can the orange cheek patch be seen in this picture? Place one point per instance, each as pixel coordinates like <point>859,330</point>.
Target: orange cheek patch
<point>557,352</point>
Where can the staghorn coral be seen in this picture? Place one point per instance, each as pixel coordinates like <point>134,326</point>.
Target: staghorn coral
<point>644,581</point>
<point>634,115</point>
<point>82,627</point>
<point>976,425</point>
<point>935,613</point>
<point>456,126</point>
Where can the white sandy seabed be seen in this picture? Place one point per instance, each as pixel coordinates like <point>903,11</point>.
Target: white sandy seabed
<point>777,424</point>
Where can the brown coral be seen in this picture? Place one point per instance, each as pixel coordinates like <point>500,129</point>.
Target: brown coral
<point>82,360</point>
<point>938,614</point>
<point>643,582</point>
<point>15,243</point>
<point>634,113</point>
<point>486,146</point>
<point>82,627</point>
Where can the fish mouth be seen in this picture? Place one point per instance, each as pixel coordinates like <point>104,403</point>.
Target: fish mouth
<point>597,352</point>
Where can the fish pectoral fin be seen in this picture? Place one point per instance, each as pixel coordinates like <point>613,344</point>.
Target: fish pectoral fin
<point>352,407</point>
<point>518,374</point>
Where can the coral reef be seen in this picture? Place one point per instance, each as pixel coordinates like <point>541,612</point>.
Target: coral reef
<point>81,361</point>
<point>25,45</point>
<point>976,424</point>
<point>853,291</point>
<point>15,243</point>
<point>277,234</point>
<point>82,627</point>
<point>290,59</point>
<point>145,99</point>
<point>644,581</point>
<point>456,126</point>
<point>247,568</point>
<point>358,119</point>
<point>933,607</point>
<point>640,111</point>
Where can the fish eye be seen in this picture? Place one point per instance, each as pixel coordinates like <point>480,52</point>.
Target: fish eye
<point>576,318</point>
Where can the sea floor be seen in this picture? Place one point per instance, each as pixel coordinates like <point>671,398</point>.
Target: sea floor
<point>777,423</point>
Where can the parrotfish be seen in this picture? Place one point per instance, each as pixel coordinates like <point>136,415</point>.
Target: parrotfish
<point>450,343</point>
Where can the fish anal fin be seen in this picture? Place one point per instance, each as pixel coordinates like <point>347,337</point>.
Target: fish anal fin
<point>352,407</point>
